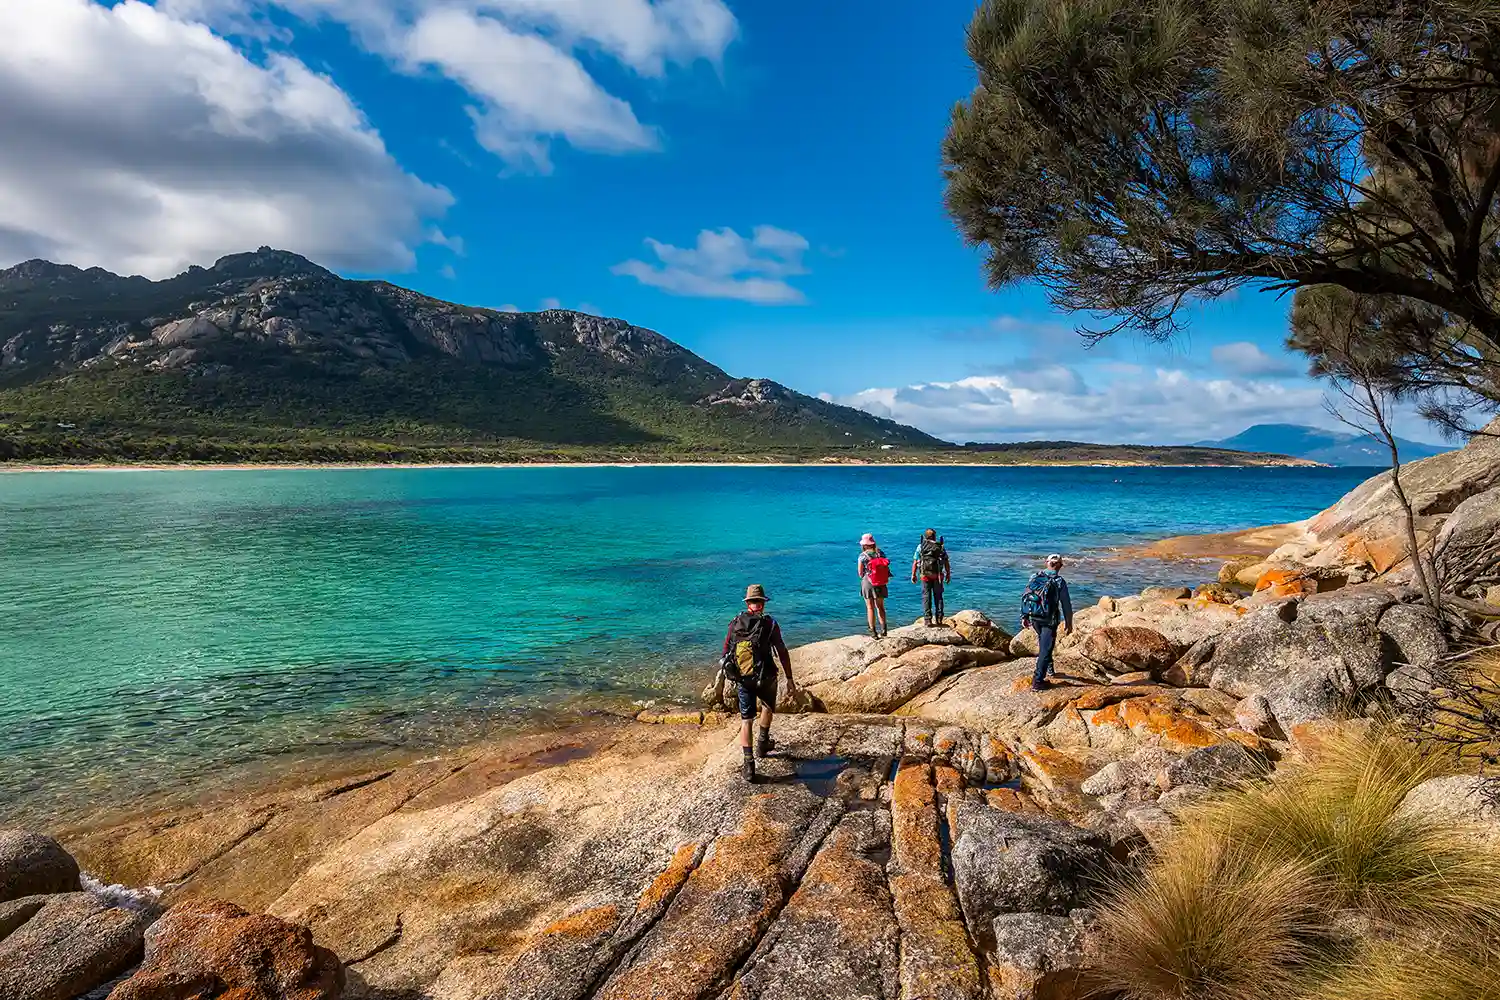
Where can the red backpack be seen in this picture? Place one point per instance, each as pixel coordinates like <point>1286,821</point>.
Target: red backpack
<point>879,570</point>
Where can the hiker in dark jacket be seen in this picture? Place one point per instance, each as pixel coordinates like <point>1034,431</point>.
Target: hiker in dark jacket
<point>748,647</point>
<point>930,562</point>
<point>874,584</point>
<point>1055,607</point>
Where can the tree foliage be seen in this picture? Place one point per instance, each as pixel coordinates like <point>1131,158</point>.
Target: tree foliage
<point>1133,154</point>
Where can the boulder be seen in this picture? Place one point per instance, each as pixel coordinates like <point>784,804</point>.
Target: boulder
<point>1127,649</point>
<point>1024,644</point>
<point>1310,659</point>
<point>1254,715</point>
<point>1006,862</point>
<point>1166,594</point>
<point>1040,956</point>
<point>1183,797</point>
<point>33,865</point>
<point>1116,776</point>
<point>1464,800</point>
<point>978,630</point>
<point>891,681</point>
<point>1215,593</point>
<point>1223,766</point>
<point>73,943</point>
<point>1467,553</point>
<point>1153,822</point>
<point>1413,637</point>
<point>221,948</point>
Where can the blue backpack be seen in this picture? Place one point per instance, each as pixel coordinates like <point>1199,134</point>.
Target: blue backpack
<point>1039,603</point>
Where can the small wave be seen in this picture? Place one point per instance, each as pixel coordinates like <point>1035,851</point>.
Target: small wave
<point>143,900</point>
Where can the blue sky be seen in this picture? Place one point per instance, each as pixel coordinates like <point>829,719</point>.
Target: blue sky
<point>758,181</point>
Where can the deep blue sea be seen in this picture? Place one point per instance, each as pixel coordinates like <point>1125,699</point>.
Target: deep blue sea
<point>158,626</point>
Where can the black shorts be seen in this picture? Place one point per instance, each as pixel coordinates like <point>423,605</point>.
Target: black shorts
<point>762,689</point>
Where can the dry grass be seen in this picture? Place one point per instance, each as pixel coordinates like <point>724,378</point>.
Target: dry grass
<point>1218,922</point>
<point>1254,897</point>
<point>1450,969</point>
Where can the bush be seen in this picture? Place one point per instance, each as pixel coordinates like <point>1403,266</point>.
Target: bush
<point>1271,891</point>
<point>1461,968</point>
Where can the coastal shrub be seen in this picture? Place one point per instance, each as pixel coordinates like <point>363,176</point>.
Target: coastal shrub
<point>1451,968</point>
<point>1339,815</point>
<point>1274,889</point>
<point>1214,920</point>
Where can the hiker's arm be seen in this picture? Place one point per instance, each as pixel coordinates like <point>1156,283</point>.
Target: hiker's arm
<point>779,645</point>
<point>947,568</point>
<point>728,639</point>
<point>916,561</point>
<point>1067,606</point>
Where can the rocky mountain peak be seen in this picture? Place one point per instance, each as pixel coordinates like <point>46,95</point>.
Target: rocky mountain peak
<point>36,272</point>
<point>268,262</point>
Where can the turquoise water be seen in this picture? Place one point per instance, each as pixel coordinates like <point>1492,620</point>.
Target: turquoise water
<point>158,626</point>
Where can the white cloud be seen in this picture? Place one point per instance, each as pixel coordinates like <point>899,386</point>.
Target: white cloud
<point>1244,358</point>
<point>529,90</point>
<point>1163,406</point>
<point>142,143</point>
<point>517,59</point>
<point>726,265</point>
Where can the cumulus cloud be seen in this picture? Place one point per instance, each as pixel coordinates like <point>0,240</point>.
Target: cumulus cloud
<point>141,142</point>
<point>1244,358</point>
<point>726,265</point>
<point>1162,406</point>
<point>517,59</point>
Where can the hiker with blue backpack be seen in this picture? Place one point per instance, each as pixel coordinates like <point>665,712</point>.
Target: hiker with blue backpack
<point>1046,605</point>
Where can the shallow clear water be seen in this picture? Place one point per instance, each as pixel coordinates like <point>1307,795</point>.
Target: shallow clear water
<point>157,626</point>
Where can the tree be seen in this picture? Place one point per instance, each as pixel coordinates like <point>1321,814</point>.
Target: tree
<point>1367,384</point>
<point>1133,154</point>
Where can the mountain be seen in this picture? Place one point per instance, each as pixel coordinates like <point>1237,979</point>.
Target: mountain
<point>1328,447</point>
<point>268,355</point>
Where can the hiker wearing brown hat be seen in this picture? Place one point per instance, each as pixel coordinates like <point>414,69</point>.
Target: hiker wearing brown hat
<point>748,647</point>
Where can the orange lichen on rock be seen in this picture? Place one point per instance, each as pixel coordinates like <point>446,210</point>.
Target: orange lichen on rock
<point>669,881</point>
<point>1286,583</point>
<point>586,923</point>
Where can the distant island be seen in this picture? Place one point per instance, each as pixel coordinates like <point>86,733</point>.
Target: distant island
<point>268,358</point>
<point>1325,447</point>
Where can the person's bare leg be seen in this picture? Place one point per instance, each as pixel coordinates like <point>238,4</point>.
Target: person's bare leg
<point>766,715</point>
<point>880,603</point>
<point>870,612</point>
<point>745,734</point>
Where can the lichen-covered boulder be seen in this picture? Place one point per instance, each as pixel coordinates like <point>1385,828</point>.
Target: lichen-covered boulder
<point>1127,649</point>
<point>1310,659</point>
<point>978,630</point>
<point>1040,956</point>
<point>1467,553</point>
<point>237,954</point>
<point>1005,862</point>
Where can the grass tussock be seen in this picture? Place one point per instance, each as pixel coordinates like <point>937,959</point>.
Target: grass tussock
<point>1463,968</point>
<point>1283,890</point>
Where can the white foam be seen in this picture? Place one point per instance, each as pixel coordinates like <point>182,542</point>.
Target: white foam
<point>139,900</point>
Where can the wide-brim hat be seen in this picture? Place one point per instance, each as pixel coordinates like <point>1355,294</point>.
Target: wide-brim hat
<point>755,592</point>
<point>868,539</point>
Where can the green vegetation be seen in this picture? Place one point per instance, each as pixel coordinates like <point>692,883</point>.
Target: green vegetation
<point>1132,155</point>
<point>1306,886</point>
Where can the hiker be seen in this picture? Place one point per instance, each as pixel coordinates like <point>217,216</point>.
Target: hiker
<point>874,583</point>
<point>1044,606</point>
<point>748,646</point>
<point>931,562</point>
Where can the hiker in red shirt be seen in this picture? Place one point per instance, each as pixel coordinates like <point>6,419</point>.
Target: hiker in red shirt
<point>874,583</point>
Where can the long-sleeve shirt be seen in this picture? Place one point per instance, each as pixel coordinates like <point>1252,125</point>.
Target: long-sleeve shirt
<point>778,645</point>
<point>1064,600</point>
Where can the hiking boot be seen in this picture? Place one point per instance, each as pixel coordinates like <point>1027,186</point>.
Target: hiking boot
<point>1039,685</point>
<point>764,746</point>
<point>748,769</point>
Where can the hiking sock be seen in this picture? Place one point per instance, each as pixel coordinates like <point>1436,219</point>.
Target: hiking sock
<point>764,745</point>
<point>748,767</point>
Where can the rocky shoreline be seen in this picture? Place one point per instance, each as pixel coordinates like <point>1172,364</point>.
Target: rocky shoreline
<point>930,827</point>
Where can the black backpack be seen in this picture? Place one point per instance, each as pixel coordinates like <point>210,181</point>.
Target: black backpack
<point>1039,602</point>
<point>932,557</point>
<point>749,647</point>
